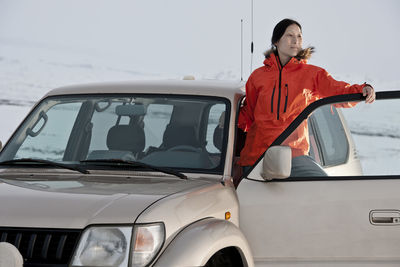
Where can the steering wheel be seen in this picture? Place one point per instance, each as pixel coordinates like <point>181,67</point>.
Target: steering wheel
<point>184,148</point>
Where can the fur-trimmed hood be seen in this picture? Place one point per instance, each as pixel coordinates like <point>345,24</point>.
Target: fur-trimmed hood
<point>304,54</point>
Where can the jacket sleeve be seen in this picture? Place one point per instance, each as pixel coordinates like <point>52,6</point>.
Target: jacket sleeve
<point>327,86</point>
<point>246,115</point>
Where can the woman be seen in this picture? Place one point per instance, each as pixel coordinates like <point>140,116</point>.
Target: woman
<point>277,92</point>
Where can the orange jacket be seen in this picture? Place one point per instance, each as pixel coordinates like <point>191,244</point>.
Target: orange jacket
<point>275,96</point>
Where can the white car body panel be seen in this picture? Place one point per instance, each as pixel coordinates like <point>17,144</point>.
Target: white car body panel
<point>320,222</point>
<point>211,235</point>
<point>76,204</point>
<point>181,209</point>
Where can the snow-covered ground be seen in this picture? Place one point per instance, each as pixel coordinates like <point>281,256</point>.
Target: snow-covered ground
<point>28,72</point>
<point>376,132</point>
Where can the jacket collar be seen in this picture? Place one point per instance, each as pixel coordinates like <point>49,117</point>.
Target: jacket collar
<point>272,62</point>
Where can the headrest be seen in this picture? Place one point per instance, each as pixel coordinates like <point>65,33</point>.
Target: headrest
<point>176,135</point>
<point>126,137</point>
<point>217,137</point>
<point>218,132</point>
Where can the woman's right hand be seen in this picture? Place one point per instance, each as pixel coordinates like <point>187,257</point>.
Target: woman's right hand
<point>369,92</point>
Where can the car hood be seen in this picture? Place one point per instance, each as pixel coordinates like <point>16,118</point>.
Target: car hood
<point>65,201</point>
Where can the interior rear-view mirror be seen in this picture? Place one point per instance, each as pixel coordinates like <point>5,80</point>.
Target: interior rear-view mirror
<point>130,110</point>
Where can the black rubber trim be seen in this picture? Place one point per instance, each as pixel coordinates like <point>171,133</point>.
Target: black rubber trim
<point>329,178</point>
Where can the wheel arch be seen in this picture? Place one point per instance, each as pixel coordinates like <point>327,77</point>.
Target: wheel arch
<point>204,239</point>
<point>234,254</point>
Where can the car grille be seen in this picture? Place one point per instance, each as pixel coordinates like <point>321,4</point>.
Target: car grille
<point>42,247</point>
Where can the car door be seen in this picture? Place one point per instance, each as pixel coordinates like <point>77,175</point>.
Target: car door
<point>350,217</point>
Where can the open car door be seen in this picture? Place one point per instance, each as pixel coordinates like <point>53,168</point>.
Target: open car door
<point>351,216</point>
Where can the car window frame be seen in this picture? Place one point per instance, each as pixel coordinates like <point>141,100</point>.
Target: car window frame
<point>218,170</point>
<point>315,128</point>
<point>357,97</point>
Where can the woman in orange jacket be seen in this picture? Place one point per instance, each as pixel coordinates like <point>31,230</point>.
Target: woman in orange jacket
<point>277,92</point>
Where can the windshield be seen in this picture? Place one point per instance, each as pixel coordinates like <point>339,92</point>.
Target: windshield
<point>181,132</point>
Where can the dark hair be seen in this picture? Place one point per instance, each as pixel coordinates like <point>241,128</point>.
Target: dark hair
<point>280,29</point>
<point>278,32</point>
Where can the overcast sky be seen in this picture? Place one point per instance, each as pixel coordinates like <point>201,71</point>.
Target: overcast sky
<point>203,36</point>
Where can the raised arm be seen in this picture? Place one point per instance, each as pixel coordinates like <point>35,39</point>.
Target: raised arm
<point>327,86</point>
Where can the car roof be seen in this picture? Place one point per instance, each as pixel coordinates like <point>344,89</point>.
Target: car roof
<point>228,89</point>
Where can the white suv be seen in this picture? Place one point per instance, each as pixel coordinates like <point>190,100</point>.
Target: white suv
<point>141,174</point>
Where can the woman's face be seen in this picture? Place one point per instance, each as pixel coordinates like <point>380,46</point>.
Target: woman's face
<point>291,41</point>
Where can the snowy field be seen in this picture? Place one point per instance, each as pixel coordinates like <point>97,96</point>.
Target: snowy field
<point>27,73</point>
<point>376,132</point>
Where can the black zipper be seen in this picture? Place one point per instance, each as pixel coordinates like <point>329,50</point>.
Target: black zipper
<point>286,98</point>
<point>272,100</point>
<point>280,92</point>
<point>280,67</point>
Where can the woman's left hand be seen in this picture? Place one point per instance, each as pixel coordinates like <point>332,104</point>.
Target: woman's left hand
<point>369,92</point>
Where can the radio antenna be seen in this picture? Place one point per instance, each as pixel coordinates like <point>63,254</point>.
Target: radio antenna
<point>241,49</point>
<point>252,35</point>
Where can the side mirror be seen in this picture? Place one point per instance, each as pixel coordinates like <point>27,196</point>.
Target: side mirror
<point>276,164</point>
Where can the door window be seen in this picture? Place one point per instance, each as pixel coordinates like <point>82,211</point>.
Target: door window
<point>327,137</point>
<point>375,129</point>
<point>339,140</point>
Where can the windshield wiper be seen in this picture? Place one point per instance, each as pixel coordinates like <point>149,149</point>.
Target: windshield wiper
<point>138,164</point>
<point>43,161</point>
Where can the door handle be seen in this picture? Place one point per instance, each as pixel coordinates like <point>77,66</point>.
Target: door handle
<point>384,217</point>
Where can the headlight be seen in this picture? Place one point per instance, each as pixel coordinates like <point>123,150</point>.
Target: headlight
<point>103,246</point>
<point>147,242</point>
<point>109,245</point>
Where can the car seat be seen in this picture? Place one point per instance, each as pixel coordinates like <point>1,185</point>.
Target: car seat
<point>123,142</point>
<point>178,135</point>
<point>180,148</point>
